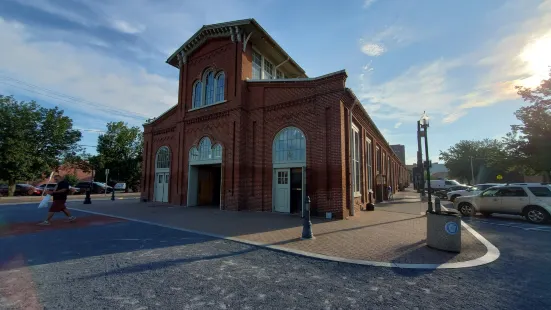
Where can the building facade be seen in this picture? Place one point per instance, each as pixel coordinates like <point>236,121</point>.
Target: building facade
<point>400,151</point>
<point>252,132</point>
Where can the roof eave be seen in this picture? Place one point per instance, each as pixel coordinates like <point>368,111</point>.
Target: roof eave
<point>370,119</point>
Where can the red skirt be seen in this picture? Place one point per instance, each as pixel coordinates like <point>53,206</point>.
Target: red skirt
<point>58,206</point>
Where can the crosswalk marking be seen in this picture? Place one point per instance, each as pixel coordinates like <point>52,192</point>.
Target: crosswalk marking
<point>526,227</point>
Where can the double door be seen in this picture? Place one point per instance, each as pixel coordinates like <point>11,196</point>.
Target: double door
<point>162,180</point>
<point>288,190</point>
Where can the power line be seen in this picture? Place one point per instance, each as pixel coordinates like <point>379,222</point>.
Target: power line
<point>66,98</point>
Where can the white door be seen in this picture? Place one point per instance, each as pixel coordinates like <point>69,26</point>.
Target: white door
<point>161,187</point>
<point>166,187</point>
<point>159,184</point>
<point>282,200</point>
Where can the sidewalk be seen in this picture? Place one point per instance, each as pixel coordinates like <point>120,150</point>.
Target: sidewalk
<point>393,234</point>
<point>27,199</point>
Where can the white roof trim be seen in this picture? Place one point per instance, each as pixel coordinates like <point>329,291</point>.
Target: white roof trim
<point>297,79</point>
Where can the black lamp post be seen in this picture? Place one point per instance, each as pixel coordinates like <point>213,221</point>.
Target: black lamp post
<point>425,125</point>
<point>306,223</point>
<point>87,199</point>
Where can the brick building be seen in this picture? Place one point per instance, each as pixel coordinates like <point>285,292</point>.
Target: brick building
<point>252,132</point>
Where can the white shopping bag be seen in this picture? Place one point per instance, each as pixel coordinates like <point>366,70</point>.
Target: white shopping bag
<point>45,201</point>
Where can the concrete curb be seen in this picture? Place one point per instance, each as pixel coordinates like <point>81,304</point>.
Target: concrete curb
<point>491,255</point>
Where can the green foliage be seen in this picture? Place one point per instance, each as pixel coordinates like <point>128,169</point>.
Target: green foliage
<point>72,179</point>
<point>532,142</point>
<point>488,157</point>
<point>119,150</point>
<point>33,140</point>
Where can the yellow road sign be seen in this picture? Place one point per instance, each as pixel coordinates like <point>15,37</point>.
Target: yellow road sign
<point>499,177</point>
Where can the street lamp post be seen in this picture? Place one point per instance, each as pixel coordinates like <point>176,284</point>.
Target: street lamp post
<point>425,124</point>
<point>421,178</point>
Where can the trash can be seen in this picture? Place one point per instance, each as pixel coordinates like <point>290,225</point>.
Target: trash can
<point>444,231</point>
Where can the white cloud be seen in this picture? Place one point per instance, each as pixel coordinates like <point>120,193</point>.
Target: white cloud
<point>106,84</point>
<point>452,117</point>
<point>368,3</point>
<point>397,125</point>
<point>373,49</point>
<point>126,27</point>
<point>519,57</point>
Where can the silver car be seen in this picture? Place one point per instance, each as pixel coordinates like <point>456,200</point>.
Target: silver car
<point>532,201</point>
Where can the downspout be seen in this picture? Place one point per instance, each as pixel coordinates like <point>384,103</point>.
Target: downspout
<point>351,163</point>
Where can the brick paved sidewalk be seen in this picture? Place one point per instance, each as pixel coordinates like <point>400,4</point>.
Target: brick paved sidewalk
<point>396,237</point>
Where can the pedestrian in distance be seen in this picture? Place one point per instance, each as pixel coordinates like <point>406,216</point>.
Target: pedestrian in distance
<point>59,196</point>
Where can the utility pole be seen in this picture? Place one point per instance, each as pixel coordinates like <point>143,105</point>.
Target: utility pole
<point>472,171</point>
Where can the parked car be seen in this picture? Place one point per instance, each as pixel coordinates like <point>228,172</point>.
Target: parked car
<point>95,187</point>
<point>443,193</point>
<point>120,187</point>
<point>531,201</point>
<point>20,190</point>
<point>436,185</point>
<point>47,187</point>
<point>475,190</point>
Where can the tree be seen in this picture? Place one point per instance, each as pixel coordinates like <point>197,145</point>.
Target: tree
<point>120,151</point>
<point>488,156</point>
<point>72,179</point>
<point>533,142</point>
<point>33,140</point>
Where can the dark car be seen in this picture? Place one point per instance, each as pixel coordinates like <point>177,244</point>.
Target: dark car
<point>95,187</point>
<point>20,190</point>
<point>442,194</point>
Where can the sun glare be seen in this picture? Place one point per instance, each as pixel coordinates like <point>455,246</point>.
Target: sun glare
<point>537,59</point>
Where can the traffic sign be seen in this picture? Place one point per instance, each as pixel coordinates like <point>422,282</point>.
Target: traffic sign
<point>106,171</point>
<point>499,177</point>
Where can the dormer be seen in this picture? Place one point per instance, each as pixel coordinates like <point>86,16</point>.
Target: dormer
<point>268,59</point>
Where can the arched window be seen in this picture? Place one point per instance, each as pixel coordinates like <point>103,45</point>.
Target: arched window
<point>205,152</point>
<point>217,151</point>
<point>209,88</point>
<point>163,158</point>
<point>220,87</point>
<point>205,149</point>
<point>289,146</point>
<point>197,94</point>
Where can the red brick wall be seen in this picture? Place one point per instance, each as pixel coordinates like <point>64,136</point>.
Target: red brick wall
<point>246,126</point>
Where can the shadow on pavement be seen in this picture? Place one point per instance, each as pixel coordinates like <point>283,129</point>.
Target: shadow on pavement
<point>104,238</point>
<point>166,264</point>
<point>416,250</point>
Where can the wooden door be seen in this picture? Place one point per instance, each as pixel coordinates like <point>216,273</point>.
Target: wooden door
<point>205,186</point>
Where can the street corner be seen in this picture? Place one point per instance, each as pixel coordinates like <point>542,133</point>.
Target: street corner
<point>31,227</point>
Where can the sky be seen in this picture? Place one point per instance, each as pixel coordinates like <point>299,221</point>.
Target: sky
<point>104,60</point>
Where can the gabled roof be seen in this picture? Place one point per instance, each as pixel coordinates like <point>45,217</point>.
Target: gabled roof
<point>227,29</point>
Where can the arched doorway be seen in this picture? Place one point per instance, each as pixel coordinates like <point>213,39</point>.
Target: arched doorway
<point>205,174</point>
<point>289,171</point>
<point>162,174</point>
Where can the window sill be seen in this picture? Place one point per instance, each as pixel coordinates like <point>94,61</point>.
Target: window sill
<point>357,195</point>
<point>207,106</point>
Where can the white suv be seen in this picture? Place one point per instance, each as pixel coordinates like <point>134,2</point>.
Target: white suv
<point>475,190</point>
<point>532,201</point>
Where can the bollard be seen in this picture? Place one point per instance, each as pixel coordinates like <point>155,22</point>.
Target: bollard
<point>306,223</point>
<point>87,199</point>
<point>437,206</point>
<point>113,195</point>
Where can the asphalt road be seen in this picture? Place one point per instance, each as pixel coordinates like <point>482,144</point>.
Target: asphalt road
<point>101,263</point>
